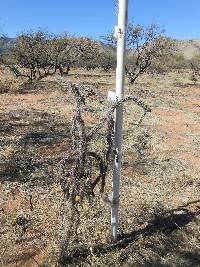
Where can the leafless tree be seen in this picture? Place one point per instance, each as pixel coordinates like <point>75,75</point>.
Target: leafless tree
<point>146,46</point>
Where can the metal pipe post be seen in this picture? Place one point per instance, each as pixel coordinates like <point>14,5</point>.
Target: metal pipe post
<point>120,77</point>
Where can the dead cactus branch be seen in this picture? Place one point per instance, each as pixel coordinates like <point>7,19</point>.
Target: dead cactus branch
<point>84,167</point>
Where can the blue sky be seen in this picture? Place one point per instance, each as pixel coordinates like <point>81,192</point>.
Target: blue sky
<point>95,18</point>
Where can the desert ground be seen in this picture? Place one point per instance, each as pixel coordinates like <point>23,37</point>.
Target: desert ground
<point>160,185</point>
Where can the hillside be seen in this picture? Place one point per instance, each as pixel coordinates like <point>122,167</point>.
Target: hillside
<point>189,47</point>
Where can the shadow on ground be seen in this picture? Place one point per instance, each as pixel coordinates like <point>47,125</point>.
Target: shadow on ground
<point>26,135</point>
<point>164,226</point>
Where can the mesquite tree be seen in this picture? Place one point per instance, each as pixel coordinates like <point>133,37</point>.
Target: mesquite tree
<point>86,52</point>
<point>146,47</point>
<point>31,56</point>
<point>107,60</point>
<point>36,55</point>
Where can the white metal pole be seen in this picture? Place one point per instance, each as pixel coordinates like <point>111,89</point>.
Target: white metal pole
<point>120,76</point>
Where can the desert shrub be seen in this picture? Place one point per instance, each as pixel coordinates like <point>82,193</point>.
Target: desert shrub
<point>178,61</point>
<point>195,68</point>
<point>100,58</point>
<point>107,60</point>
<point>12,85</point>
<point>4,88</point>
<point>167,63</point>
<point>85,53</point>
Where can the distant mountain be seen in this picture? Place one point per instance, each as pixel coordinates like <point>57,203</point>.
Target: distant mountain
<point>188,48</point>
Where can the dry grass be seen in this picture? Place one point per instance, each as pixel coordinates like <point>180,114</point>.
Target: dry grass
<point>160,205</point>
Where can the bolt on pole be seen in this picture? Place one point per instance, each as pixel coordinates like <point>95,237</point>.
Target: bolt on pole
<point>120,77</point>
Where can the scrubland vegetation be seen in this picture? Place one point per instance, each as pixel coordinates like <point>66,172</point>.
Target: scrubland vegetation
<point>57,150</point>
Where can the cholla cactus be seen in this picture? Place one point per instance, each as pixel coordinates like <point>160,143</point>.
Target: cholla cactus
<point>83,162</point>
